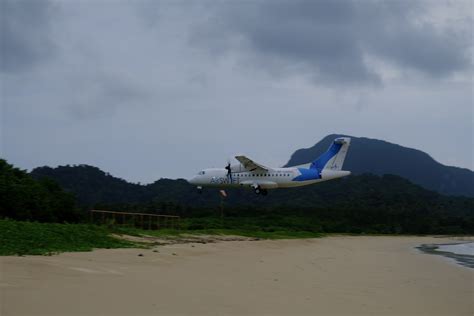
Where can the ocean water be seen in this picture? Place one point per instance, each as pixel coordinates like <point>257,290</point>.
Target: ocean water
<point>461,253</point>
<point>459,249</point>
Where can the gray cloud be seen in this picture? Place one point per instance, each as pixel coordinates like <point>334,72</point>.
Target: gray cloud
<point>25,34</point>
<point>332,41</point>
<point>126,91</point>
<point>101,96</point>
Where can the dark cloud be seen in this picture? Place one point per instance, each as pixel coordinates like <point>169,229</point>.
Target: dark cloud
<point>117,84</point>
<point>393,31</point>
<point>99,95</point>
<point>333,41</point>
<point>25,34</point>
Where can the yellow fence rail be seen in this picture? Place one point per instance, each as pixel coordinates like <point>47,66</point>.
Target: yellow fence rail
<point>140,220</point>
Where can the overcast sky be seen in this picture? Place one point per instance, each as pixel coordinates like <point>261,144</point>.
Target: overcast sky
<point>151,89</point>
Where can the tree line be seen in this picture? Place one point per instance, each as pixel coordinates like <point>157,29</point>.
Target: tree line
<point>356,204</point>
<point>28,199</point>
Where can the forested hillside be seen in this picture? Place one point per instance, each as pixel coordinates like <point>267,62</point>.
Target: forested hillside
<point>380,157</point>
<point>24,198</point>
<point>363,203</point>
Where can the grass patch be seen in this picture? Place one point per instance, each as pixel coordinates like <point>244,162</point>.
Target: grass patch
<point>31,238</point>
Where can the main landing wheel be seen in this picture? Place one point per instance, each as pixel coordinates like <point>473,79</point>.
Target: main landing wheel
<point>257,190</point>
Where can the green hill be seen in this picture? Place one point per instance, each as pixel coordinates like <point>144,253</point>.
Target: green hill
<point>24,198</point>
<point>380,157</point>
<point>362,203</point>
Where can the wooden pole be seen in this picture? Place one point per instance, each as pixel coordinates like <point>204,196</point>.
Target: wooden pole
<point>222,211</point>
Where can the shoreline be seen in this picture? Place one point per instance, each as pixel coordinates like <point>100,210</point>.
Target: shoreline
<point>466,260</point>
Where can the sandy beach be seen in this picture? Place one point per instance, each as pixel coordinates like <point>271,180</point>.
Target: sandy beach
<point>327,276</point>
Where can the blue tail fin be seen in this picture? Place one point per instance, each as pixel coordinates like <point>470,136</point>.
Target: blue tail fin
<point>334,157</point>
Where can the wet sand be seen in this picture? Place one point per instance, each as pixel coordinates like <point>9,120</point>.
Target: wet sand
<point>326,276</point>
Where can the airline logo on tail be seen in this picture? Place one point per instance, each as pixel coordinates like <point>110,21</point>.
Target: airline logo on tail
<point>333,159</point>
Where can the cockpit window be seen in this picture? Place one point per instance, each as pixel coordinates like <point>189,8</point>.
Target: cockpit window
<point>201,172</point>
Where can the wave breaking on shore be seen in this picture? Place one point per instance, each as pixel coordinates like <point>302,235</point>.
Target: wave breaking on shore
<point>462,253</point>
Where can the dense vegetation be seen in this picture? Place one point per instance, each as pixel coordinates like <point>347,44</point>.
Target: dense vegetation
<point>357,204</point>
<point>24,198</point>
<point>364,203</point>
<point>22,238</point>
<point>379,157</point>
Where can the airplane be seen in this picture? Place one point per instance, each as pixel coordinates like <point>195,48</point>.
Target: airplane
<point>249,173</point>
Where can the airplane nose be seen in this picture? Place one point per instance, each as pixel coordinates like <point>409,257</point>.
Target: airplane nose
<point>193,180</point>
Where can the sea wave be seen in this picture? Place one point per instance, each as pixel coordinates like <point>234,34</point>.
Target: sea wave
<point>459,249</point>
<point>462,253</point>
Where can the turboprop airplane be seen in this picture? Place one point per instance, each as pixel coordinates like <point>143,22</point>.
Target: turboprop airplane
<point>261,178</point>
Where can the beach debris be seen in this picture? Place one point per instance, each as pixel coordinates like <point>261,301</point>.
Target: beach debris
<point>155,250</point>
<point>174,254</point>
<point>140,255</point>
<point>181,239</point>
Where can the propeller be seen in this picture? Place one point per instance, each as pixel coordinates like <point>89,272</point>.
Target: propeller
<point>229,170</point>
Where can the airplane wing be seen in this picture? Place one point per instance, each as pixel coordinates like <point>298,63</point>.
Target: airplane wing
<point>250,165</point>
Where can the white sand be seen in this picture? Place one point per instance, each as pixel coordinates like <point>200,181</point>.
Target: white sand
<point>327,276</point>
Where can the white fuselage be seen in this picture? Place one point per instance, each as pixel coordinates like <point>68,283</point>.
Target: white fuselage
<point>271,179</point>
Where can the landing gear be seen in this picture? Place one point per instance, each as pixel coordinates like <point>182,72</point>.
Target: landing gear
<point>261,191</point>
<point>199,189</point>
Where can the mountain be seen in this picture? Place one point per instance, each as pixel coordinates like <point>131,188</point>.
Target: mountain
<point>92,185</point>
<point>380,157</point>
